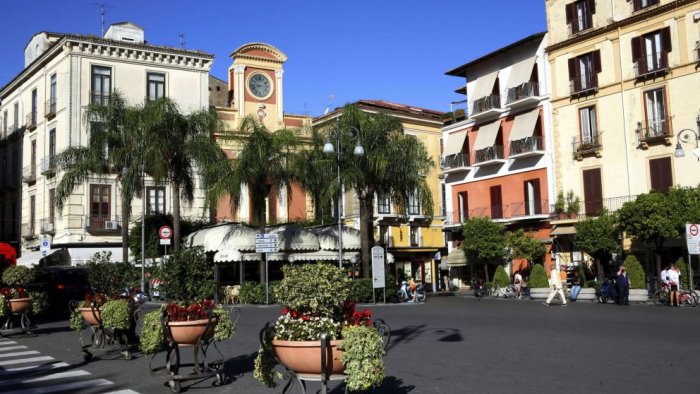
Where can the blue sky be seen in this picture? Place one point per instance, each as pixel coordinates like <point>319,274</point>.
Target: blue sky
<point>394,50</point>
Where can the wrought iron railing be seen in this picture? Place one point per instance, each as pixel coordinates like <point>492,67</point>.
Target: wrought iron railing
<point>28,230</point>
<point>98,223</point>
<point>526,90</point>
<point>489,102</point>
<point>29,174</point>
<point>50,107</point>
<point>494,152</point>
<point>48,165</point>
<point>526,145</point>
<point>581,84</point>
<point>99,97</point>
<point>588,143</point>
<point>455,161</point>
<point>651,64</point>
<point>30,121</point>
<point>593,207</point>
<point>654,129</point>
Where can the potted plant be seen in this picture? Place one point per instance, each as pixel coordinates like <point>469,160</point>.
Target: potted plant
<point>90,309</point>
<point>560,206</point>
<point>315,301</point>
<point>573,204</point>
<point>16,296</point>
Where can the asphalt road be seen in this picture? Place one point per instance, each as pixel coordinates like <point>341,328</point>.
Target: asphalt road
<point>446,345</point>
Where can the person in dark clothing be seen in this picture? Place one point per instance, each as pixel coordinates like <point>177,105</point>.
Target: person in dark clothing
<point>623,286</point>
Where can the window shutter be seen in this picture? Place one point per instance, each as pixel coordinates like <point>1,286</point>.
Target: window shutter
<point>636,48</point>
<point>666,39</point>
<point>572,69</point>
<point>591,7</point>
<point>569,13</point>
<point>660,174</point>
<point>592,191</point>
<point>596,61</point>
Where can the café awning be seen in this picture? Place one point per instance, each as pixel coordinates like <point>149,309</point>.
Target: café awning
<point>293,238</point>
<point>324,255</point>
<point>456,258</point>
<point>328,238</point>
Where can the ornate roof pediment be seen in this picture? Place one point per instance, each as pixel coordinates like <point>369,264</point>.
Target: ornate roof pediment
<point>259,51</point>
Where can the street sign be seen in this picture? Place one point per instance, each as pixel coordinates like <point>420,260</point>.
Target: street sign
<point>266,243</point>
<point>165,241</point>
<point>45,244</point>
<point>692,233</point>
<point>378,280</point>
<point>165,232</point>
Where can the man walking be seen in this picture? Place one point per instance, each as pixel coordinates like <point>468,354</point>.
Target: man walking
<point>555,285</point>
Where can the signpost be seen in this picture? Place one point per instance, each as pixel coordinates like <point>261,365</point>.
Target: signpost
<point>165,233</point>
<point>378,274</point>
<point>44,245</point>
<point>266,243</point>
<point>692,235</point>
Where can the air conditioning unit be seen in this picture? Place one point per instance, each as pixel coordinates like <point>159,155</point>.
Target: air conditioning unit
<point>47,227</point>
<point>111,225</point>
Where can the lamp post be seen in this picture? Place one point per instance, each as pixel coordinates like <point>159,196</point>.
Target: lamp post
<point>329,149</point>
<point>684,136</point>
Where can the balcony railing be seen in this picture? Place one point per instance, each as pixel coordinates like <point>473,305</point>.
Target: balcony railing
<point>638,5</point>
<point>47,226</point>
<point>29,174</point>
<point>28,230</point>
<point>526,145</point>
<point>652,64</point>
<point>486,103</point>
<point>588,144</point>
<point>513,211</point>
<point>488,154</point>
<point>654,130</point>
<point>593,208</point>
<point>416,241</point>
<point>584,84</point>
<point>48,165</point>
<point>697,51</point>
<point>452,162</point>
<point>30,121</point>
<point>526,90</point>
<point>99,97</point>
<point>102,223</point>
<point>50,108</point>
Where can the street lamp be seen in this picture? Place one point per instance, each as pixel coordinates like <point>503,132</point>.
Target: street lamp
<point>358,151</point>
<point>684,136</point>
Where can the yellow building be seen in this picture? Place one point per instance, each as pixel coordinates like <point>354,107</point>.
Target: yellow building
<point>413,242</point>
<point>625,83</point>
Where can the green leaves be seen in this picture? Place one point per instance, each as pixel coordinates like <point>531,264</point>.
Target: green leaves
<point>317,288</point>
<point>362,357</point>
<point>151,335</point>
<point>188,276</point>
<point>116,314</point>
<point>484,240</point>
<point>598,236</point>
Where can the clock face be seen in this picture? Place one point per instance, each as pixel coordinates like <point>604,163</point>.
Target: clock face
<point>259,85</point>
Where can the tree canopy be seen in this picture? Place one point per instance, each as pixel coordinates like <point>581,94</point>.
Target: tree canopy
<point>485,242</point>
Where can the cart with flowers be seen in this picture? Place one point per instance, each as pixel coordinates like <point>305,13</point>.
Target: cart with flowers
<point>15,307</point>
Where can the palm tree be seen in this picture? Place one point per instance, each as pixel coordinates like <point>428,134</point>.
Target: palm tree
<point>113,150</point>
<point>264,164</point>
<point>314,171</point>
<point>180,149</point>
<point>393,163</point>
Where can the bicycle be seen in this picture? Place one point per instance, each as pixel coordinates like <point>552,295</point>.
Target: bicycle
<point>688,298</point>
<point>660,296</point>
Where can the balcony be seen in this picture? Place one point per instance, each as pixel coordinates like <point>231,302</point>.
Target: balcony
<point>524,95</point>
<point>416,241</point>
<point>651,66</point>
<point>588,146</point>
<point>30,121</point>
<point>655,131</point>
<point>47,226</point>
<point>493,155</point>
<point>28,231</point>
<point>583,85</point>
<point>48,165</point>
<point>454,219</point>
<point>486,107</point>
<point>638,5</point>
<point>102,224</point>
<point>455,163</point>
<point>50,108</point>
<point>515,211</point>
<point>593,208</point>
<point>526,147</point>
<point>99,98</point>
<point>29,174</point>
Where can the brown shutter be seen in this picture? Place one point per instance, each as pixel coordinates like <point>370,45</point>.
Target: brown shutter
<point>572,69</point>
<point>596,61</point>
<point>660,174</point>
<point>591,7</point>
<point>636,48</point>
<point>592,191</point>
<point>496,202</point>
<point>666,39</point>
<point>569,13</point>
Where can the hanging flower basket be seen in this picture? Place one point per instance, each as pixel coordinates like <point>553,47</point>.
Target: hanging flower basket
<point>303,357</point>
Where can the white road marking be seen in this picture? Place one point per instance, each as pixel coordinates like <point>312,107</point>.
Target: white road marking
<point>26,360</point>
<point>62,387</point>
<point>33,368</point>
<point>15,354</point>
<point>6,348</point>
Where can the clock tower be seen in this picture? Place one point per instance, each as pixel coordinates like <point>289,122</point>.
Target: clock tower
<point>256,84</point>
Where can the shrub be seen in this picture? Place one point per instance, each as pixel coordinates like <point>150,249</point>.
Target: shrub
<point>18,276</point>
<point>151,336</point>
<point>361,290</point>
<point>501,278</point>
<point>254,293</point>
<point>317,288</point>
<point>107,277</point>
<point>363,357</point>
<point>683,267</point>
<point>538,277</point>
<point>635,272</point>
<point>116,314</point>
<point>188,275</point>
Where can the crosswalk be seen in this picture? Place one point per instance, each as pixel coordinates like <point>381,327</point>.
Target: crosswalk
<point>27,371</point>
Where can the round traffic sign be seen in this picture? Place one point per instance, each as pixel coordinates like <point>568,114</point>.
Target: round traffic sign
<point>165,232</point>
<point>694,230</point>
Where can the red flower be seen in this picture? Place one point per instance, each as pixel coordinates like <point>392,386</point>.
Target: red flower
<point>285,311</point>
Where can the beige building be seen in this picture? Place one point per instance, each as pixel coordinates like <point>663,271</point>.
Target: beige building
<point>625,83</point>
<point>64,73</point>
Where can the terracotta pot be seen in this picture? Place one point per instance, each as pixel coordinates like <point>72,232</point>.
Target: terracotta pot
<point>20,305</point>
<point>89,317</point>
<point>305,356</point>
<point>189,332</point>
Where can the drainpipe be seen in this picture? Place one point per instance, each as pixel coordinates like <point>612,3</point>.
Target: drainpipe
<point>624,117</point>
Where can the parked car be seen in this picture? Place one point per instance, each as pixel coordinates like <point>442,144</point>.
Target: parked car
<point>62,284</point>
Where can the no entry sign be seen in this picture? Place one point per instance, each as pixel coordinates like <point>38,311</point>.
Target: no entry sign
<point>692,233</point>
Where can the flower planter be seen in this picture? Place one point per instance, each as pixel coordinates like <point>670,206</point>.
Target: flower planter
<point>89,317</point>
<point>639,295</point>
<point>190,332</point>
<point>539,293</point>
<point>304,357</point>
<point>20,305</point>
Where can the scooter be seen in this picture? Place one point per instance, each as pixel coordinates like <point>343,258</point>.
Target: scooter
<point>404,293</point>
<point>479,288</point>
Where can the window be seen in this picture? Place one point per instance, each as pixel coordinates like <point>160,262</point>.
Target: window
<point>156,199</point>
<point>34,105</point>
<point>463,202</point>
<point>17,122</point>
<point>589,127</point>
<point>579,15</point>
<point>592,192</point>
<point>155,86</point>
<point>52,144</point>
<point>657,121</point>
<point>414,203</point>
<point>650,52</point>
<point>496,202</point>
<point>533,203</point>
<point>384,204</point>
<point>99,205</point>
<point>52,205</point>
<point>583,72</point>
<point>414,235</point>
<point>51,109</point>
<point>97,132</point>
<point>101,86</point>
<point>32,214</point>
<point>443,200</point>
<point>642,4</point>
<point>661,174</point>
<point>32,162</point>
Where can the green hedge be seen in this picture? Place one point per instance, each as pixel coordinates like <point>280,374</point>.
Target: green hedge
<point>254,292</point>
<point>538,277</point>
<point>635,272</point>
<point>361,290</point>
<point>501,278</point>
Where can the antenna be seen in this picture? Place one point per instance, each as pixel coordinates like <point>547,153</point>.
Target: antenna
<point>331,97</point>
<point>102,6</point>
<point>182,40</point>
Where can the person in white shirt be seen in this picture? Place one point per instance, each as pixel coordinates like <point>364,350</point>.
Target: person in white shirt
<point>555,284</point>
<point>674,281</point>
<point>517,282</point>
<point>664,276</point>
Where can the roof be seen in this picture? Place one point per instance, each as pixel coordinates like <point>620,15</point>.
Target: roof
<point>274,53</point>
<point>393,108</point>
<point>461,70</point>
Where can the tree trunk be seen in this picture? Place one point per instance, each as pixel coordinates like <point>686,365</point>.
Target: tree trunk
<point>366,233</point>
<point>126,213</point>
<point>487,279</point>
<point>176,215</point>
<point>599,269</point>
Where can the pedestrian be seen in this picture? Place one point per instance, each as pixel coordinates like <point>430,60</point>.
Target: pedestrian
<point>575,286</point>
<point>525,287</point>
<point>518,282</point>
<point>674,282</point>
<point>446,279</point>
<point>563,276</point>
<point>412,288</point>
<point>555,285</point>
<point>623,286</point>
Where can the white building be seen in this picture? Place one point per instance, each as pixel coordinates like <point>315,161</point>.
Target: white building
<point>64,73</point>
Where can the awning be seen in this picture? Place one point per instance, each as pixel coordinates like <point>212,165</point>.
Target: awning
<point>520,72</point>
<point>524,125</point>
<point>563,230</point>
<point>29,259</point>
<point>291,237</point>
<point>225,256</point>
<point>83,255</point>
<point>486,135</point>
<point>228,236</point>
<point>456,258</point>
<point>454,143</point>
<point>324,255</point>
<point>484,85</point>
<point>328,238</point>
